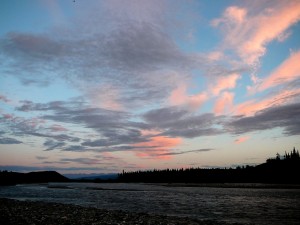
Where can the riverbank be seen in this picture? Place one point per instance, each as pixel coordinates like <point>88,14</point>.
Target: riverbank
<point>13,212</point>
<point>233,185</point>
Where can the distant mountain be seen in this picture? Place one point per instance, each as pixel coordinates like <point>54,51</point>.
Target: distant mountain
<point>11,178</point>
<point>93,176</point>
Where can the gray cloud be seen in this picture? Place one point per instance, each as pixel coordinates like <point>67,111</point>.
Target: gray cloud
<point>87,161</point>
<point>20,126</point>
<point>51,145</point>
<point>114,127</point>
<point>178,122</point>
<point>129,58</point>
<point>185,152</point>
<point>286,117</point>
<point>95,118</point>
<point>108,148</point>
<point>59,137</point>
<point>9,141</point>
<point>117,137</point>
<point>117,131</point>
<point>165,115</point>
<point>193,132</point>
<point>33,46</point>
<point>75,148</point>
<point>55,106</point>
<point>136,54</point>
<point>41,157</point>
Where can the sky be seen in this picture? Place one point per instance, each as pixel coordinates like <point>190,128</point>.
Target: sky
<point>106,86</point>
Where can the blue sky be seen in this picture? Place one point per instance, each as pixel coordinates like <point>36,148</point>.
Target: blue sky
<point>102,86</point>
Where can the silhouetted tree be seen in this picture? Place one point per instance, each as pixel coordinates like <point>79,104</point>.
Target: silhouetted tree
<point>275,170</point>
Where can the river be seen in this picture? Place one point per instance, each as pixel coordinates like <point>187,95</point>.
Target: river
<point>231,204</point>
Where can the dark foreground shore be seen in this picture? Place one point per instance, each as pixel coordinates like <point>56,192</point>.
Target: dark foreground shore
<point>13,212</point>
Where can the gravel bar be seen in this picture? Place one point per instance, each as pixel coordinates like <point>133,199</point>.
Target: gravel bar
<point>14,212</point>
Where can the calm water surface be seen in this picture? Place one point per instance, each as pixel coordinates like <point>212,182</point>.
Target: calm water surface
<point>242,205</point>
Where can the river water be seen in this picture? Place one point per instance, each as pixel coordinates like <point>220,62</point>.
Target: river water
<point>234,205</point>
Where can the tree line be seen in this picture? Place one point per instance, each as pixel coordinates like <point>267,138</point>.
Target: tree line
<point>280,169</point>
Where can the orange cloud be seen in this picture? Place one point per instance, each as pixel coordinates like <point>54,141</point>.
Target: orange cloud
<point>157,147</point>
<point>179,96</point>
<point>289,70</point>
<point>224,103</point>
<point>241,139</point>
<point>224,83</point>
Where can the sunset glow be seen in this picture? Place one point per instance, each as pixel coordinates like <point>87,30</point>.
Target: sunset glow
<point>105,86</point>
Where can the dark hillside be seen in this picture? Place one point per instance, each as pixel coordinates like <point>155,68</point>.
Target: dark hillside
<point>11,178</point>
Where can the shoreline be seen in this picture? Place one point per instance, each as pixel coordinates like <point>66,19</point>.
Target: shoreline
<point>235,185</point>
<point>15,212</point>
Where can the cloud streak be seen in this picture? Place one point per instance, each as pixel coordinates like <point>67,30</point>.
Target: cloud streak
<point>285,117</point>
<point>241,139</point>
<point>189,151</point>
<point>288,71</point>
<point>9,141</point>
<point>177,122</point>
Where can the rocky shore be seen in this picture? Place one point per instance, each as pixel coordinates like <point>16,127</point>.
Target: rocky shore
<point>13,212</point>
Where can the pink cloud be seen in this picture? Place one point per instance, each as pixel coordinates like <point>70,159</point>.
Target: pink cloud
<point>251,107</point>
<point>232,14</point>
<point>179,96</point>
<point>151,132</point>
<point>58,128</point>
<point>4,99</point>
<point>289,70</point>
<point>236,14</point>
<point>8,116</point>
<point>241,139</point>
<point>108,156</point>
<point>256,26</point>
<point>224,103</point>
<point>215,55</point>
<point>157,147</point>
<point>34,122</point>
<point>224,83</point>
<point>283,16</point>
